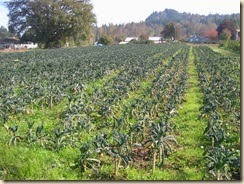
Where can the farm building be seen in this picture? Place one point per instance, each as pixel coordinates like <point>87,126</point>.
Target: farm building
<point>6,43</point>
<point>155,39</point>
<point>28,45</point>
<point>128,39</point>
<point>14,43</point>
<point>197,39</point>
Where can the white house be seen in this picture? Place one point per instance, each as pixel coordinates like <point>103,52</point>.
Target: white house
<point>14,43</point>
<point>156,39</point>
<point>7,43</point>
<point>28,45</point>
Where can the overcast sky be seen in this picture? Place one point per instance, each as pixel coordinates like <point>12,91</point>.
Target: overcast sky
<point>125,11</point>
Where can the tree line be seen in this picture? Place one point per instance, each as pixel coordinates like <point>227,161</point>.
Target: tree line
<point>170,23</point>
<point>56,23</point>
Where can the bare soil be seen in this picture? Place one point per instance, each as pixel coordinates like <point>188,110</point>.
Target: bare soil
<point>12,50</point>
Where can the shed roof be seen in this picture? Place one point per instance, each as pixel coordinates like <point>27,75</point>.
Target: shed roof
<point>131,38</point>
<point>196,39</point>
<point>155,38</point>
<point>9,40</point>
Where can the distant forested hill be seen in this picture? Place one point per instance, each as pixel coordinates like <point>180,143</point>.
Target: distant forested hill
<point>186,25</point>
<point>169,15</point>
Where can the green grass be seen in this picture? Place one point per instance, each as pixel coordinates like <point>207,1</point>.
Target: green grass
<point>50,116</point>
<point>187,158</point>
<point>36,163</point>
<point>224,51</point>
<point>101,82</point>
<point>186,161</point>
<point>139,93</point>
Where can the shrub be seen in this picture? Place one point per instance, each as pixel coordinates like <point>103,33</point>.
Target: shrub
<point>231,45</point>
<point>141,41</point>
<point>106,40</point>
<point>234,45</point>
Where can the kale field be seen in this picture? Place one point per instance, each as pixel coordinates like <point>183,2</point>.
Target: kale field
<point>123,112</point>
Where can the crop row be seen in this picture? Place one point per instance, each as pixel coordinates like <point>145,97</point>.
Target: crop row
<point>132,129</point>
<point>119,108</point>
<point>45,78</point>
<point>220,83</point>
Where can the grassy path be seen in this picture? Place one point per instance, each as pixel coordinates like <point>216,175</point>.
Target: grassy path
<point>186,162</point>
<point>224,52</point>
<point>188,158</point>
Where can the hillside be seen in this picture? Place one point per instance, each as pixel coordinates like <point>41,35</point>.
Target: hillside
<point>169,15</point>
<point>186,24</point>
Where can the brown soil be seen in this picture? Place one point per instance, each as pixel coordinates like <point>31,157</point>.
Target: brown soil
<point>12,50</point>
